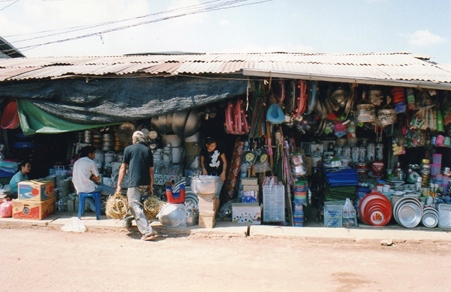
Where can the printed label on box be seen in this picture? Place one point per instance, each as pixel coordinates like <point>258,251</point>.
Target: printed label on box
<point>29,209</point>
<point>246,213</point>
<point>37,190</point>
<point>249,197</point>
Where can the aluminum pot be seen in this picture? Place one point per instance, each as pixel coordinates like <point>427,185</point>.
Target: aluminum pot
<point>178,122</point>
<point>192,218</point>
<point>169,120</point>
<point>162,124</point>
<point>192,123</point>
<point>154,123</point>
<point>339,98</point>
<point>107,137</point>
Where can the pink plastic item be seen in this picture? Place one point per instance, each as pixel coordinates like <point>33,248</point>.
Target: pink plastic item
<point>6,209</point>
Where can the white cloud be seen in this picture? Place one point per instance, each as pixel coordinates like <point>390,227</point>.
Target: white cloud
<point>224,22</point>
<point>423,38</point>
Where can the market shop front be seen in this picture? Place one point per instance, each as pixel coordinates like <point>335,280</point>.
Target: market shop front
<point>367,145</point>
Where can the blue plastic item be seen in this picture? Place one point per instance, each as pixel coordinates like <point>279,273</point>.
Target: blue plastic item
<point>81,203</point>
<point>275,114</point>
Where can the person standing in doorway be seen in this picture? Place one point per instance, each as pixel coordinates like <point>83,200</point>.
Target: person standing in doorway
<point>213,161</point>
<point>21,175</point>
<point>86,174</point>
<point>139,160</point>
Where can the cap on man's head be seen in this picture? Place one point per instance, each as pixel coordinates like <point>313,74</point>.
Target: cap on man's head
<point>137,137</point>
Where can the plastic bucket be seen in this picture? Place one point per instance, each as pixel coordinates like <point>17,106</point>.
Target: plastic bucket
<point>177,154</point>
<point>175,198</point>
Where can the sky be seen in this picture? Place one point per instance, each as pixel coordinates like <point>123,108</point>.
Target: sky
<point>40,28</point>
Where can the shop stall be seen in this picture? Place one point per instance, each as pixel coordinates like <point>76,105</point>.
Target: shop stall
<point>302,149</point>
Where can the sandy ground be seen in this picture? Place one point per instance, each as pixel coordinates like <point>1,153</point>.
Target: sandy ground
<point>44,259</point>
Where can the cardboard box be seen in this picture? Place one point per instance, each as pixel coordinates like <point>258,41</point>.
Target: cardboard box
<point>249,197</point>
<point>249,181</point>
<point>209,198</point>
<point>207,221</point>
<point>246,213</point>
<point>208,206</point>
<point>251,188</point>
<point>36,190</point>
<point>29,209</point>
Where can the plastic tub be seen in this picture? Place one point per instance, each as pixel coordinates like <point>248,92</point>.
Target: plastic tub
<point>205,184</point>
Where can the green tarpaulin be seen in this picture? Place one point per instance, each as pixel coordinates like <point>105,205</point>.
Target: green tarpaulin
<point>34,120</point>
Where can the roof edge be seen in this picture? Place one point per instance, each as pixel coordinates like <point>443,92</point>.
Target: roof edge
<point>333,78</point>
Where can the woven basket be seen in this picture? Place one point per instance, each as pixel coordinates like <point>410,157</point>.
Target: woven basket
<point>116,206</point>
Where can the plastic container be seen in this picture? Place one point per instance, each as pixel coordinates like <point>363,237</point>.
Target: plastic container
<point>175,197</point>
<point>205,184</point>
<point>333,215</point>
<point>436,158</point>
<point>435,169</point>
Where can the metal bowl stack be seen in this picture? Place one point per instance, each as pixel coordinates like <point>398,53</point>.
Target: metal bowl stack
<point>430,217</point>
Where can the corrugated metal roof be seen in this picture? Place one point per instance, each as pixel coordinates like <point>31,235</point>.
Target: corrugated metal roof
<point>373,67</point>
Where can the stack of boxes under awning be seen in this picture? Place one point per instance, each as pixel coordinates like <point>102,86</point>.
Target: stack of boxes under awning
<point>206,187</point>
<point>249,210</point>
<point>36,200</point>
<point>208,206</point>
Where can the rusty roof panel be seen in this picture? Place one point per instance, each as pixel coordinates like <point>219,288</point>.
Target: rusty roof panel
<point>380,66</point>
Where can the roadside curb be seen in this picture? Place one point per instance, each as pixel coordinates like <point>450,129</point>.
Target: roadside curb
<point>228,229</point>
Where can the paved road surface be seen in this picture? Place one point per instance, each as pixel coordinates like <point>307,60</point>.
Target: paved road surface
<point>44,259</point>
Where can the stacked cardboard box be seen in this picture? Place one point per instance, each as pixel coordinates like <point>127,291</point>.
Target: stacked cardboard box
<point>249,213</point>
<point>36,200</point>
<point>208,206</point>
<point>250,191</point>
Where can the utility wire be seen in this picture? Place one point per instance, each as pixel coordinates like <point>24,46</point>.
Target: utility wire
<point>220,6</point>
<point>84,27</point>
<point>9,5</point>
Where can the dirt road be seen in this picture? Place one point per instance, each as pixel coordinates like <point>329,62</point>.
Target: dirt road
<point>42,259</point>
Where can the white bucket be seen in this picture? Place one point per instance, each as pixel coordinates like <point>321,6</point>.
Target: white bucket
<point>174,140</point>
<point>109,157</point>
<point>177,154</point>
<point>99,156</point>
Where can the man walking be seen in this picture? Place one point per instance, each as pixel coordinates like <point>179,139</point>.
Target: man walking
<point>139,160</point>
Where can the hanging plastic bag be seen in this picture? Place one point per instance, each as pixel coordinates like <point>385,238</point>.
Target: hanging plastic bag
<point>6,209</point>
<point>349,214</point>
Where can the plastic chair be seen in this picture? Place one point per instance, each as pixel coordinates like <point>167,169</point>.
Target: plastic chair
<point>81,203</point>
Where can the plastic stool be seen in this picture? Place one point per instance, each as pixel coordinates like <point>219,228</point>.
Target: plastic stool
<point>81,203</point>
